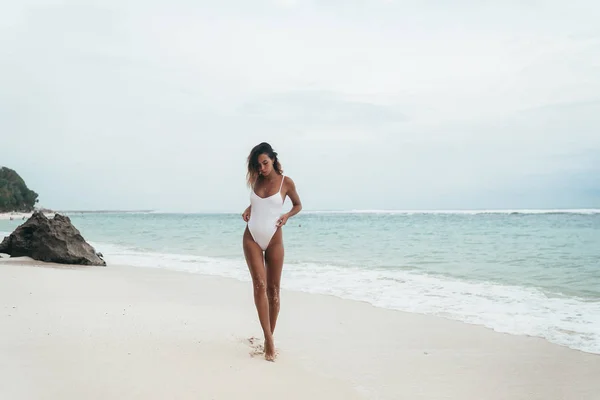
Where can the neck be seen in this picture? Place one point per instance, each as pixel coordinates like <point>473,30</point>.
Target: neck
<point>270,177</point>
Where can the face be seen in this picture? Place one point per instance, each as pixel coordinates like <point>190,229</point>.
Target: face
<point>265,165</point>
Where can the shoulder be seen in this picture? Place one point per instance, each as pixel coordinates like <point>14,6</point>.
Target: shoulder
<point>288,182</point>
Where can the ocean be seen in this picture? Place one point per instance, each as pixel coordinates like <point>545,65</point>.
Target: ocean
<point>522,272</point>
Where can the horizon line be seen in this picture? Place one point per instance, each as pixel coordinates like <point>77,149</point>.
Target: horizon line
<point>355,211</point>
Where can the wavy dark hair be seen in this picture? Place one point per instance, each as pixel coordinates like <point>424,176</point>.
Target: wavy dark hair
<point>262,148</point>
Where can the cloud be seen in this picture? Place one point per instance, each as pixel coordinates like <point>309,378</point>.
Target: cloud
<point>370,104</point>
<point>319,115</point>
<point>286,3</point>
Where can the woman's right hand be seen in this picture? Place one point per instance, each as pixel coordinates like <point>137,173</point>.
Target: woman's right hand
<point>246,215</point>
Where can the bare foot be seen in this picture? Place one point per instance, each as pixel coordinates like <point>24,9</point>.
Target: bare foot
<point>269,349</point>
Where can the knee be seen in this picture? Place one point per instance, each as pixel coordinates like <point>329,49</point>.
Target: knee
<point>273,292</point>
<point>259,286</point>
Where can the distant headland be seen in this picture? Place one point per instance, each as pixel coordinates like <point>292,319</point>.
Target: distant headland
<point>15,196</point>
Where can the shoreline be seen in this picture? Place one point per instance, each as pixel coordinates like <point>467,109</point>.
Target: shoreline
<point>328,346</point>
<point>14,216</point>
<point>444,304</point>
<point>17,216</point>
<point>453,300</point>
<point>557,332</point>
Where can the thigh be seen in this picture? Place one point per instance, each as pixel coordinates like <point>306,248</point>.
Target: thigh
<point>274,259</point>
<point>254,258</point>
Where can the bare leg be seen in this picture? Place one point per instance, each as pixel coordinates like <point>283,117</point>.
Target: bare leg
<point>255,261</point>
<point>274,262</point>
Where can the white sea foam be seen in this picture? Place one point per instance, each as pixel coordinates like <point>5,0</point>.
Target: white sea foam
<point>583,211</point>
<point>567,321</point>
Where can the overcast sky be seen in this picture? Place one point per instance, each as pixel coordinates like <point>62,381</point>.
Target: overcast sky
<point>370,104</point>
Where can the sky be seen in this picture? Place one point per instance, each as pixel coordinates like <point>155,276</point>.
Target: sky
<point>370,104</point>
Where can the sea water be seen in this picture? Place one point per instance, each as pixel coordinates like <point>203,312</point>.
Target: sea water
<point>532,272</point>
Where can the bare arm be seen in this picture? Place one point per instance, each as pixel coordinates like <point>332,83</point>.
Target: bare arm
<point>293,195</point>
<point>296,203</point>
<point>246,214</point>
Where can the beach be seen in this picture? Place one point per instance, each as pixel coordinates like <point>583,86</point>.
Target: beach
<point>422,177</point>
<point>14,215</point>
<point>72,332</point>
<point>20,216</point>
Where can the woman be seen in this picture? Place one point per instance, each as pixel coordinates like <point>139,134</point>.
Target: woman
<point>263,238</point>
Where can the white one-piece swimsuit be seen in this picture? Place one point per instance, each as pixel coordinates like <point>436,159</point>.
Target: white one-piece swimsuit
<point>264,213</point>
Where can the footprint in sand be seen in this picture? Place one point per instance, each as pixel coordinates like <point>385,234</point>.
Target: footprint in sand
<point>257,347</point>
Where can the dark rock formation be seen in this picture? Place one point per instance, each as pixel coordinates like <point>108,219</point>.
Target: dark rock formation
<point>51,240</point>
<point>14,193</point>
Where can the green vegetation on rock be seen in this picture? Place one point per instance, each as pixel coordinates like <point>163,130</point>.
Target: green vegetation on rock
<point>14,193</point>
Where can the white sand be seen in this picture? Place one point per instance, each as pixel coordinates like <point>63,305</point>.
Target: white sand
<point>134,333</point>
<point>14,215</point>
<point>19,216</point>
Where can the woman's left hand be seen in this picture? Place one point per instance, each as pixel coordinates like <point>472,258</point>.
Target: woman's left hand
<point>282,220</point>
